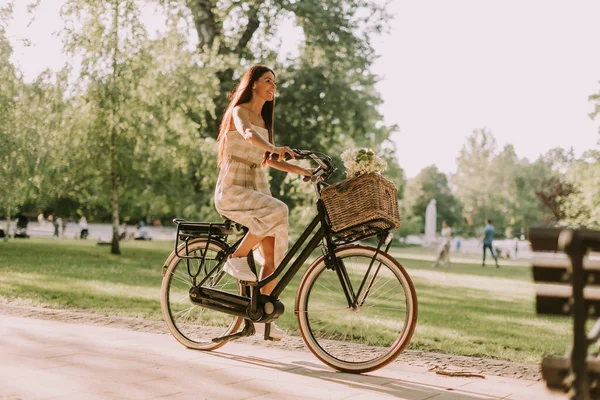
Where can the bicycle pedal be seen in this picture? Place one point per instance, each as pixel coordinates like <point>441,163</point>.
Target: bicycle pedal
<point>248,330</point>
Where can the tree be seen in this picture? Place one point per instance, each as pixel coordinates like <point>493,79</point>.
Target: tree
<point>326,105</point>
<point>108,36</point>
<point>524,209</point>
<point>326,94</point>
<point>582,207</point>
<point>337,28</point>
<point>513,180</point>
<point>138,147</point>
<point>475,186</point>
<point>45,115</point>
<point>411,225</point>
<point>140,120</point>
<point>429,184</point>
<point>14,157</point>
<point>554,194</point>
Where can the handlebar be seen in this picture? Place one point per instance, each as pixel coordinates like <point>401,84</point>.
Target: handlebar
<point>325,165</point>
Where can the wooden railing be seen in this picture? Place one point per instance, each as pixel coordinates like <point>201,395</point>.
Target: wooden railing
<point>568,284</point>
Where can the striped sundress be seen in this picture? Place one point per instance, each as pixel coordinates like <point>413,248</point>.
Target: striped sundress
<point>242,193</point>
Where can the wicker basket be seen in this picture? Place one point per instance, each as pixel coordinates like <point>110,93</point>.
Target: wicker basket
<point>362,206</point>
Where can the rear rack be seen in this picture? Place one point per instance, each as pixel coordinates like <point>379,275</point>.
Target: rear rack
<point>187,230</point>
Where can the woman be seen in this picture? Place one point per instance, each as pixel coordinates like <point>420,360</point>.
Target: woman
<point>444,249</point>
<point>246,146</point>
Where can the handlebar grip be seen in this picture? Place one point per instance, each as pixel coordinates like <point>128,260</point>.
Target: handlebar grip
<point>323,161</point>
<point>298,152</point>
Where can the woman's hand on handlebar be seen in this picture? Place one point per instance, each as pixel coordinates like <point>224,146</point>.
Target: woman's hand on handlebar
<point>281,152</point>
<point>308,173</point>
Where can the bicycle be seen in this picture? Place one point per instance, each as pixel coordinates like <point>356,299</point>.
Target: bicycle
<point>356,305</point>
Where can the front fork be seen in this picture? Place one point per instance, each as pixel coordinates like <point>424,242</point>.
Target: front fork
<point>336,264</point>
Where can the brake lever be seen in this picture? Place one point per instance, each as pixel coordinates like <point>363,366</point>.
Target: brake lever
<point>287,157</point>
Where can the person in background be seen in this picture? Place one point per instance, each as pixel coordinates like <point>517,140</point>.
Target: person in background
<point>123,231</point>
<point>83,228</point>
<point>63,227</point>
<point>142,232</point>
<point>56,224</point>
<point>487,238</point>
<point>21,226</point>
<point>444,248</point>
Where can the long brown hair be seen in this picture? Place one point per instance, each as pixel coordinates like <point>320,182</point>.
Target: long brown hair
<point>240,95</point>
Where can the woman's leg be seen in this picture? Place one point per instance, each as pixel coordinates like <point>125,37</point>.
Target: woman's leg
<point>248,243</point>
<point>437,260</point>
<point>268,249</point>
<point>484,250</point>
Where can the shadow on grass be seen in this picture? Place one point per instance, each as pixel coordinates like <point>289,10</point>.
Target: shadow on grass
<point>470,322</point>
<point>137,266</point>
<point>85,300</point>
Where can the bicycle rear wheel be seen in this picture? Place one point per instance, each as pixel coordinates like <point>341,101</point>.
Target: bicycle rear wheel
<point>370,335</point>
<point>192,325</point>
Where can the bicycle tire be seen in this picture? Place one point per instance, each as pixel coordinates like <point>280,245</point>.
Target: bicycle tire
<point>192,325</point>
<point>339,343</point>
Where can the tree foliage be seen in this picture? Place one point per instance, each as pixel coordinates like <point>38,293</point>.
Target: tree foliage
<point>582,207</point>
<point>555,194</point>
<point>130,133</point>
<point>429,184</point>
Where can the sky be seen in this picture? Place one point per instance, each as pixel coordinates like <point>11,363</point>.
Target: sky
<point>522,69</point>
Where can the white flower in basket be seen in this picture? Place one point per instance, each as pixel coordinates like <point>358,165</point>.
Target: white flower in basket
<point>362,161</point>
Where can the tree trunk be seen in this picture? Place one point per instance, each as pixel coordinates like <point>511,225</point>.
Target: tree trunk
<point>208,28</point>
<point>115,249</point>
<point>114,166</point>
<point>205,20</point>
<point>7,221</point>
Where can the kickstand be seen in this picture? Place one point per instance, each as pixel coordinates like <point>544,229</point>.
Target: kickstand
<point>248,330</point>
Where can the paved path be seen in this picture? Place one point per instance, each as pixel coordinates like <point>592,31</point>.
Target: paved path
<point>41,359</point>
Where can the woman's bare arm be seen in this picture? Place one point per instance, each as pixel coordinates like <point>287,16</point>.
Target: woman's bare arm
<point>287,167</point>
<point>244,127</point>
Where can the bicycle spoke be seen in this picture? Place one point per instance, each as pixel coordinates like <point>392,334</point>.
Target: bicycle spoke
<point>185,297</point>
<point>384,293</point>
<point>325,309</point>
<point>386,308</point>
<point>192,324</point>
<point>186,280</point>
<point>185,313</point>
<point>370,333</point>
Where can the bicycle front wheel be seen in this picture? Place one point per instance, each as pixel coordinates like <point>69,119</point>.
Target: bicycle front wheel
<point>372,333</point>
<point>192,325</point>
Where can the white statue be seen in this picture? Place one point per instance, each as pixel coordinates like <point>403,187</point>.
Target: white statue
<point>430,222</point>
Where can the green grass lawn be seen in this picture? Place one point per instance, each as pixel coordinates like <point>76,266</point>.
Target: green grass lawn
<point>466,310</point>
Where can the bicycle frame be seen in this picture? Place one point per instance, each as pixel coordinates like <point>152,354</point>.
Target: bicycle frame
<point>299,262</point>
<point>219,297</point>
<point>319,228</point>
